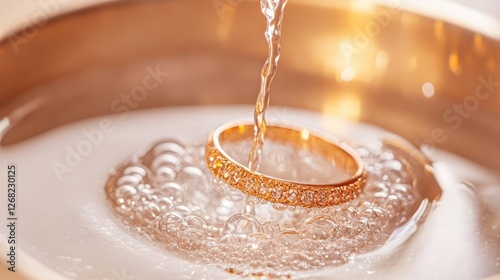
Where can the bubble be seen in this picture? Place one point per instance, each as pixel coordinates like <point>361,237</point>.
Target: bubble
<point>172,191</point>
<point>170,223</point>
<point>376,186</point>
<point>392,165</point>
<point>147,213</point>
<point>191,176</point>
<point>318,227</point>
<point>243,225</point>
<point>345,215</point>
<point>308,245</point>
<point>143,196</point>
<point>236,195</point>
<point>125,196</point>
<point>403,190</point>
<point>195,222</point>
<point>136,170</point>
<point>183,210</point>
<point>279,206</point>
<point>288,237</point>
<point>387,155</point>
<point>164,203</point>
<point>172,198</point>
<point>132,180</point>
<point>169,146</point>
<point>363,152</point>
<point>271,228</point>
<point>333,254</point>
<point>191,239</point>
<point>169,160</point>
<point>164,174</point>
<point>221,186</point>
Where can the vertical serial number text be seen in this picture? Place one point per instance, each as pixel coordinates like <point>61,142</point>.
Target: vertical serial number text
<point>11,216</point>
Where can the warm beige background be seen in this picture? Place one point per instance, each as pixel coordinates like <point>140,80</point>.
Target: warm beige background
<point>15,14</point>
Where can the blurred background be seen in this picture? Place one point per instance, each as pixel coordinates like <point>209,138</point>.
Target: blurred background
<point>477,15</point>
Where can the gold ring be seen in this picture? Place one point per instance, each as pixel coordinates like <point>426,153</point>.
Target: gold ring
<point>283,191</point>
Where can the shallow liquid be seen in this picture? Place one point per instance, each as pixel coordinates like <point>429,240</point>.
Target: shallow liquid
<point>169,195</point>
<point>68,226</point>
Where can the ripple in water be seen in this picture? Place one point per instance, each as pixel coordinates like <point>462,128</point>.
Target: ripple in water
<point>168,195</point>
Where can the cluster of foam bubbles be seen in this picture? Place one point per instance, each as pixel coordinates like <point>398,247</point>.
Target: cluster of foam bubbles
<point>168,195</point>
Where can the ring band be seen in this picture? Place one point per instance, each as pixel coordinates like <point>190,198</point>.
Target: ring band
<point>279,190</point>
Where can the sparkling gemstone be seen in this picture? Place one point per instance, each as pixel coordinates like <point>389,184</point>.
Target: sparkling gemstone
<point>322,198</point>
<point>224,172</point>
<point>217,163</point>
<point>307,197</point>
<point>248,184</point>
<point>335,198</point>
<point>291,195</point>
<point>263,188</point>
<point>235,176</point>
<point>277,192</point>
